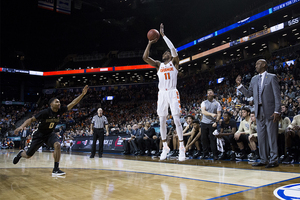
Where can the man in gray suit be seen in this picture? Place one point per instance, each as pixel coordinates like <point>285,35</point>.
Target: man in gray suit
<point>265,90</point>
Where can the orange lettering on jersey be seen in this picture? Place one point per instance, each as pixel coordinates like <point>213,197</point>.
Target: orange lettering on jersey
<point>167,69</point>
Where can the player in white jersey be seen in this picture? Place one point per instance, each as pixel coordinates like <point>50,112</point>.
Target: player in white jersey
<point>168,95</point>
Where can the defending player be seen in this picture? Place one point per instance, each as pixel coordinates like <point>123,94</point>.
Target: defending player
<point>44,134</point>
<point>168,95</point>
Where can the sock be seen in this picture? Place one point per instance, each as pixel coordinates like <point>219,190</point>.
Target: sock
<point>163,127</point>
<point>165,144</point>
<point>56,165</point>
<point>256,152</point>
<point>178,127</point>
<point>181,145</point>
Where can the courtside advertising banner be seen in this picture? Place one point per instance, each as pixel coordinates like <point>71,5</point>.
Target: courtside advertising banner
<point>63,6</point>
<point>110,144</point>
<point>46,4</point>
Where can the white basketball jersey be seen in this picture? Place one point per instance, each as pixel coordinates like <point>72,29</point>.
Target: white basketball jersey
<point>167,76</point>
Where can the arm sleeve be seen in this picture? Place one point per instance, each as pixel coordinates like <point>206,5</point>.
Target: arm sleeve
<point>241,127</point>
<point>276,92</point>
<point>105,121</point>
<point>248,93</point>
<point>202,104</point>
<point>152,132</point>
<point>222,124</point>
<point>233,123</point>
<point>219,107</point>
<point>171,47</point>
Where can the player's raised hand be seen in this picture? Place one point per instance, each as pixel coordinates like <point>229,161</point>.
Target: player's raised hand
<point>85,89</point>
<point>161,30</point>
<point>153,41</point>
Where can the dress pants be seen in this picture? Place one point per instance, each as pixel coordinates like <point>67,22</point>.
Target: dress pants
<point>267,131</point>
<point>98,135</point>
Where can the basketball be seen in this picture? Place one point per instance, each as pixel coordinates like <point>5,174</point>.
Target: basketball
<point>153,34</point>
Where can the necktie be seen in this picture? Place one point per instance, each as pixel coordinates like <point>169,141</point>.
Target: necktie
<point>259,89</point>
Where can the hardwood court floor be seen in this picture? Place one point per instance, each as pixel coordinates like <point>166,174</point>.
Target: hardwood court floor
<point>130,177</point>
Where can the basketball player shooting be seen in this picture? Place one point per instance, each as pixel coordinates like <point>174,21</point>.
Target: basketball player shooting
<point>168,95</point>
<point>44,134</point>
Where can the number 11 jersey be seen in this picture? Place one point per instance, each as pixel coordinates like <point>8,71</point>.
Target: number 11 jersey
<point>167,76</point>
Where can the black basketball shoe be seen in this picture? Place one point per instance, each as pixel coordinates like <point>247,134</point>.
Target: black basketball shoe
<point>58,172</point>
<point>17,157</point>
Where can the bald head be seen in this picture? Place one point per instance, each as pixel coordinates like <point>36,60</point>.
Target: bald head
<point>263,61</point>
<point>100,112</point>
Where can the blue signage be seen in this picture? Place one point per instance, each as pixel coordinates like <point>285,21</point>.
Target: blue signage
<point>240,23</point>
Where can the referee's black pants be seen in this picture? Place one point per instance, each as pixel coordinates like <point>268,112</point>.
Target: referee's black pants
<point>98,135</point>
<point>207,138</point>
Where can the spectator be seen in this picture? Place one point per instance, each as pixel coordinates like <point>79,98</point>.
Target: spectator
<point>211,110</point>
<point>228,129</point>
<point>139,139</point>
<point>241,136</point>
<point>254,155</point>
<point>282,126</point>
<point>292,139</point>
<point>149,140</point>
<point>195,138</point>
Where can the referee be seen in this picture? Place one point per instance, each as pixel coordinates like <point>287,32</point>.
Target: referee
<point>98,123</point>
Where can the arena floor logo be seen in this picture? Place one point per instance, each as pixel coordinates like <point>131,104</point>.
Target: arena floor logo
<point>288,192</point>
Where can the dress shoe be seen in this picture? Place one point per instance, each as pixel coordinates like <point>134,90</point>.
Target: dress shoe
<point>271,165</point>
<point>259,164</point>
<point>92,156</point>
<point>100,156</point>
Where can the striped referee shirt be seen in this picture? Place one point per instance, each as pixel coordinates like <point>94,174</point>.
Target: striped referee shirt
<point>99,122</point>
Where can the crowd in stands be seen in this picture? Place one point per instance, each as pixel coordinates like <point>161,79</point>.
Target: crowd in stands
<point>9,115</point>
<point>132,113</point>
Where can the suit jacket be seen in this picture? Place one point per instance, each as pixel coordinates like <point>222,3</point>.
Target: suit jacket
<point>270,95</point>
<point>140,133</point>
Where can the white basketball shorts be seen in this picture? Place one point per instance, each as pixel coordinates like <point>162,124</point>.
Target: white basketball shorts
<point>168,98</point>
